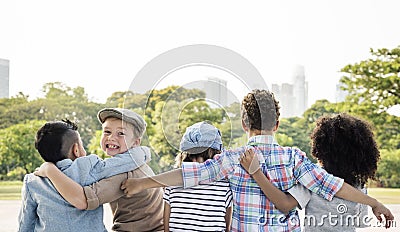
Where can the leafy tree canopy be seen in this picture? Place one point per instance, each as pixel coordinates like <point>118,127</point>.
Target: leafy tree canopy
<point>375,80</point>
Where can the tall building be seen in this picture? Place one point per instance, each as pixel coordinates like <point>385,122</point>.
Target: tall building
<point>340,94</point>
<point>216,90</point>
<point>4,78</point>
<point>300,90</point>
<point>293,98</point>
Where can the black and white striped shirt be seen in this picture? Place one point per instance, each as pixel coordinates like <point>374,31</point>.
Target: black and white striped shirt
<point>199,208</point>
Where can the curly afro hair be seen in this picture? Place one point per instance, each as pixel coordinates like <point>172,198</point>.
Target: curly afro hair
<point>346,148</point>
<point>260,110</point>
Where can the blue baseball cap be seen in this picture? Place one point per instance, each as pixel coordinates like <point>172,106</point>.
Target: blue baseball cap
<point>199,137</point>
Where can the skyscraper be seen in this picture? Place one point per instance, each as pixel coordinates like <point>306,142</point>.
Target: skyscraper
<point>300,90</point>
<point>216,90</point>
<point>4,78</point>
<point>340,94</point>
<point>293,98</point>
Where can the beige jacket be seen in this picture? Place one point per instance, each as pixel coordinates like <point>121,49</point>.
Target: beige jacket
<point>142,212</point>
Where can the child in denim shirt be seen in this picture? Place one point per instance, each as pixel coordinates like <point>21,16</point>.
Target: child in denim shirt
<point>144,211</point>
<point>59,143</point>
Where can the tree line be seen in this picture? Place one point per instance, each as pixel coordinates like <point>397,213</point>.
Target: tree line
<point>372,86</point>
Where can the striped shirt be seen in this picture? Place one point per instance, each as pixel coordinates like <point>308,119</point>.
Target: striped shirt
<point>200,208</point>
<point>283,166</point>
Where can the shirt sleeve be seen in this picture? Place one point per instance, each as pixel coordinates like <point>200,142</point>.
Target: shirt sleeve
<point>228,202</point>
<point>104,191</point>
<point>166,195</point>
<point>209,171</point>
<point>301,194</point>
<point>130,160</point>
<point>27,215</point>
<point>315,178</point>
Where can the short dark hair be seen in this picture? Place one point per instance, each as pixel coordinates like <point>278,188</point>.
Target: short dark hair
<point>54,140</point>
<point>346,148</point>
<point>260,110</point>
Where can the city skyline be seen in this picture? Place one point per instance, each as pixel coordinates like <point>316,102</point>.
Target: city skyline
<point>103,49</point>
<point>293,96</point>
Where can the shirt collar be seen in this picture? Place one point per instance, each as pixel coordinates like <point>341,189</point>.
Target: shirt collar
<point>261,139</point>
<point>64,164</point>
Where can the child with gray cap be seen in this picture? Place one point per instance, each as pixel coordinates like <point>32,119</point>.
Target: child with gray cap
<point>60,145</point>
<point>122,130</point>
<point>207,207</point>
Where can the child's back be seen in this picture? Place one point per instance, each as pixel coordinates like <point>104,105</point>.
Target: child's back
<point>344,146</point>
<point>43,209</point>
<point>205,207</point>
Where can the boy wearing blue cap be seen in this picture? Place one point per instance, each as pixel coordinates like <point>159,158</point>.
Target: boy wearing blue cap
<point>206,207</point>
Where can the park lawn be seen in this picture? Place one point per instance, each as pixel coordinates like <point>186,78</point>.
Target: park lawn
<point>11,190</point>
<point>385,195</point>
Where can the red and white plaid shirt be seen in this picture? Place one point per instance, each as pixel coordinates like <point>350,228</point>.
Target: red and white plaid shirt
<point>284,167</point>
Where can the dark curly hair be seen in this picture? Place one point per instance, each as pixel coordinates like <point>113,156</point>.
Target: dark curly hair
<point>260,110</point>
<point>345,146</point>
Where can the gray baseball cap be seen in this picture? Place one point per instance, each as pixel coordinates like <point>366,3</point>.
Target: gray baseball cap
<point>125,115</point>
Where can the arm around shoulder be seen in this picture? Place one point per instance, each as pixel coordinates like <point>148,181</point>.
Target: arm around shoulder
<point>135,185</point>
<point>68,188</point>
<point>350,193</point>
<point>104,191</point>
<point>282,201</point>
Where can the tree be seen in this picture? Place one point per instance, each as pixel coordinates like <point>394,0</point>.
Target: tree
<point>172,93</point>
<point>17,147</point>
<point>94,145</point>
<point>169,122</point>
<point>295,132</point>
<point>231,126</point>
<point>388,172</point>
<point>374,87</point>
<point>376,80</point>
<point>318,109</point>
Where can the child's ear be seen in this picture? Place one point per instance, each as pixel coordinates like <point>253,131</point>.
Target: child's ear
<point>75,150</point>
<point>276,126</point>
<point>137,142</point>
<point>210,154</point>
<point>245,128</point>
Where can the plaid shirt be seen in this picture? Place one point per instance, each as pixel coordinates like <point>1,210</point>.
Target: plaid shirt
<point>284,167</point>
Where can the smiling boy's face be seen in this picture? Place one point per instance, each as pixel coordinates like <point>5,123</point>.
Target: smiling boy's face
<point>117,137</point>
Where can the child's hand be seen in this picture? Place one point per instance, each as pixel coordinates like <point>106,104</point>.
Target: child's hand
<point>380,209</point>
<point>44,168</point>
<point>249,161</point>
<point>132,186</point>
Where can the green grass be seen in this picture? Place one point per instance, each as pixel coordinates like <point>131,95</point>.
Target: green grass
<point>385,195</point>
<point>10,190</point>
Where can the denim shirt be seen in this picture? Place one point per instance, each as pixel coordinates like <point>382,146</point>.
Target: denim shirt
<point>43,208</point>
